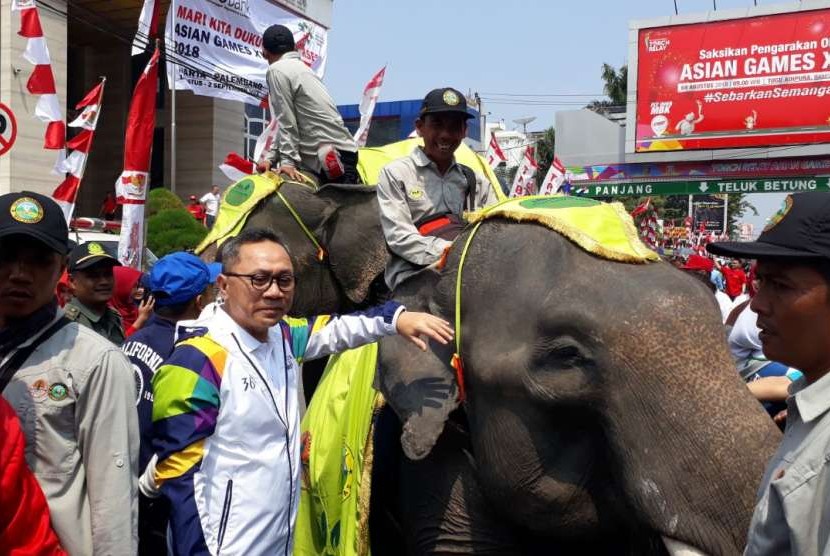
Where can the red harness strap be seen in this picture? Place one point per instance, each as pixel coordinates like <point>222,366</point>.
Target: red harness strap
<point>427,228</point>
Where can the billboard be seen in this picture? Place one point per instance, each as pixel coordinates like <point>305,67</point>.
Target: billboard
<point>751,82</point>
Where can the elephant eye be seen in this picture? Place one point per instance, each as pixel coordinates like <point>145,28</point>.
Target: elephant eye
<point>561,352</point>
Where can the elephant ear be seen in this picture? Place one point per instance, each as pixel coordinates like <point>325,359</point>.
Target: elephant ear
<point>420,386</point>
<point>354,240</point>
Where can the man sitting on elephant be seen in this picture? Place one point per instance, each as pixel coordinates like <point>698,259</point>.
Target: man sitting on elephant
<point>793,307</point>
<point>422,196</point>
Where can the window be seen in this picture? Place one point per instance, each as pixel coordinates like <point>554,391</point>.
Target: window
<point>256,118</point>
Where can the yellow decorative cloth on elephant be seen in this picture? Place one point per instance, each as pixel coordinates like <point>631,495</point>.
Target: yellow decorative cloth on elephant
<point>237,203</point>
<point>336,461</point>
<point>602,229</point>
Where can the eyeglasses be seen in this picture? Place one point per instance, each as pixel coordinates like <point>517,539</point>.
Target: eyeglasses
<point>262,282</point>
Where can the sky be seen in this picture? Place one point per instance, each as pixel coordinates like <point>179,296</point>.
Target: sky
<point>498,49</point>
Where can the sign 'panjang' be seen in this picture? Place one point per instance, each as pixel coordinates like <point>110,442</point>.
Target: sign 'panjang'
<point>218,46</point>
<point>758,81</point>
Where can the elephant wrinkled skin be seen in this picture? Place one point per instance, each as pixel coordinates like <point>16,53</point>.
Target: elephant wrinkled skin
<point>602,410</point>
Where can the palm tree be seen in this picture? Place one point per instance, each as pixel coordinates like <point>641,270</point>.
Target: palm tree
<point>615,88</point>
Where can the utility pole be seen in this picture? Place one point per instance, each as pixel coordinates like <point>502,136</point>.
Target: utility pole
<point>482,122</point>
<point>173,103</point>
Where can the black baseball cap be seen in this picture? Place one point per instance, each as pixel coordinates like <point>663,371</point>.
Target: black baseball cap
<point>799,230</point>
<point>88,254</point>
<point>34,215</point>
<point>278,39</point>
<point>444,100</point>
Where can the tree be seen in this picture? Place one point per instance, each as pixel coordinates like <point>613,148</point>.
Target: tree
<point>544,151</point>
<point>615,88</point>
<point>736,207</point>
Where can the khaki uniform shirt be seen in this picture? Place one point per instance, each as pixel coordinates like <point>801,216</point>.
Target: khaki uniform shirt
<point>107,325</point>
<point>793,511</point>
<point>411,189</point>
<point>306,115</point>
<point>75,396</point>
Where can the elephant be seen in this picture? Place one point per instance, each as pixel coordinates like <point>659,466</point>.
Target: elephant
<point>600,413</point>
<point>345,220</point>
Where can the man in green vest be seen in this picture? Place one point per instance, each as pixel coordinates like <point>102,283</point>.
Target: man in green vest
<point>90,275</point>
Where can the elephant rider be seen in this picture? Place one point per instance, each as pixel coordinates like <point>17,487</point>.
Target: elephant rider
<point>793,307</point>
<point>225,407</point>
<point>311,135</point>
<point>422,196</point>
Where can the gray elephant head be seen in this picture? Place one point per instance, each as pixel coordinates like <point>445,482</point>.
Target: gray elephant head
<point>345,221</point>
<point>600,396</point>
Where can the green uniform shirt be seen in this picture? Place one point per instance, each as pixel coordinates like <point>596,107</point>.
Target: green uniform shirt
<point>107,325</point>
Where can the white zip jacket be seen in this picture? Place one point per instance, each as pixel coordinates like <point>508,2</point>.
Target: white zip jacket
<point>226,425</point>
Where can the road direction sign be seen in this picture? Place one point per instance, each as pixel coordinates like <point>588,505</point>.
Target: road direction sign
<point>8,129</point>
<point>707,186</point>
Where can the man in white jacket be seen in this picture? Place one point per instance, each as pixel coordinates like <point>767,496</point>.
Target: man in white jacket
<point>225,409</point>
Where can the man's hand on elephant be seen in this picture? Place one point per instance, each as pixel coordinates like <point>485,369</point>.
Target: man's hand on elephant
<point>291,172</point>
<point>412,325</point>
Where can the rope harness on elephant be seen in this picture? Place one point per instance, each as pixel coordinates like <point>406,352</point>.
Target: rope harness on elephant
<point>240,200</point>
<point>456,362</point>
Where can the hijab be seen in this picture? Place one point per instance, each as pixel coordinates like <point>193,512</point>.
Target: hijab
<point>126,279</point>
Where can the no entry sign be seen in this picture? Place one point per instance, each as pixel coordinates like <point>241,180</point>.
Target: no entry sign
<point>8,129</point>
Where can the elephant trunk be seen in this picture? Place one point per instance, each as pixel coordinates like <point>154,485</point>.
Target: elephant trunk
<point>692,451</point>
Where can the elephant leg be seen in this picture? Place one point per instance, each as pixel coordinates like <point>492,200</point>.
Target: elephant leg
<point>442,508</point>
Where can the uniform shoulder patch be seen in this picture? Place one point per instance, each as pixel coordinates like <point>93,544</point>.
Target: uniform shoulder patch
<point>72,312</point>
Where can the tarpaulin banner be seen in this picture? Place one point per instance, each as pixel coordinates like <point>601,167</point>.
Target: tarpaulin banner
<point>759,81</point>
<point>218,46</point>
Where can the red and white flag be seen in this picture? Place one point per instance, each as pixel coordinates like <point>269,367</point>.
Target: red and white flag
<point>237,167</point>
<point>524,183</point>
<point>41,82</point>
<point>648,222</point>
<point>553,179</point>
<point>148,26</point>
<point>75,164</point>
<point>265,141</point>
<point>131,185</point>
<point>495,155</point>
<point>367,106</point>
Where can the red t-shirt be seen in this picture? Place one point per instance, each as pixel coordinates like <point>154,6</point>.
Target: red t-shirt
<point>197,210</point>
<point>735,279</point>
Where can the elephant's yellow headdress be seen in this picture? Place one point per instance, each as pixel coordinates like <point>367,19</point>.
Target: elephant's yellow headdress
<point>603,229</point>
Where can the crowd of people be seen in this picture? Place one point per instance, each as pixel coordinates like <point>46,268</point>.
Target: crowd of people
<point>159,413</point>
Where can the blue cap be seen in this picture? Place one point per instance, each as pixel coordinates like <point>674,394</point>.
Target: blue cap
<point>215,270</point>
<point>180,277</point>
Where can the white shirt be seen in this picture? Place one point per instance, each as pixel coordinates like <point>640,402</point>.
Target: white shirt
<point>211,203</point>
<point>725,304</point>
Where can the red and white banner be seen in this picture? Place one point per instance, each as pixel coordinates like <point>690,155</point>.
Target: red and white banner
<point>75,164</point>
<point>41,82</point>
<point>554,178</point>
<point>131,186</point>
<point>218,46</point>
<point>148,26</point>
<point>367,106</point>
<point>749,82</point>
<point>495,155</point>
<point>524,183</point>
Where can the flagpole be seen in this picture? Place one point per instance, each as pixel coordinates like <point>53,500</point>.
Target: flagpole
<point>86,158</point>
<point>173,103</point>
